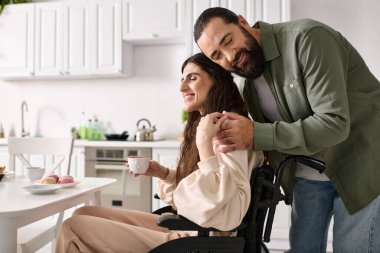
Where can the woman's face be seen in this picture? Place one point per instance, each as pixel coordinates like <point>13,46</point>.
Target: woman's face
<point>195,85</point>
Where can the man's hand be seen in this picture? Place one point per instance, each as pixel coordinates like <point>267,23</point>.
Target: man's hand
<point>236,133</point>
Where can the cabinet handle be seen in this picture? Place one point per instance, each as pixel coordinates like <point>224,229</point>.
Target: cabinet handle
<point>67,72</point>
<point>31,73</point>
<point>60,73</point>
<point>155,35</point>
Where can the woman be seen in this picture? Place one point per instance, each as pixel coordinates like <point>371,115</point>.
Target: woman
<point>209,188</point>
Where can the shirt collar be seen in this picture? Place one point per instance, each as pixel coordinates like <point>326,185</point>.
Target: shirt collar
<point>268,40</point>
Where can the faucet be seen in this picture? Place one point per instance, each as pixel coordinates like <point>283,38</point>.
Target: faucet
<point>24,105</point>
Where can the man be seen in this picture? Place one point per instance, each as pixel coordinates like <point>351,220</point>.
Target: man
<point>309,93</point>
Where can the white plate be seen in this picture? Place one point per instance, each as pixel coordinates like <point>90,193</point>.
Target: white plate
<point>68,185</point>
<point>42,189</point>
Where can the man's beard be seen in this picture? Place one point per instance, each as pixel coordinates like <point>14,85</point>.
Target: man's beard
<point>255,63</point>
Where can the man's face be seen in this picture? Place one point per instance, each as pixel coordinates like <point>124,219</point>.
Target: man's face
<point>233,48</point>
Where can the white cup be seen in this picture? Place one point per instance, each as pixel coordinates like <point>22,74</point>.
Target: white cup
<point>34,173</point>
<point>138,164</point>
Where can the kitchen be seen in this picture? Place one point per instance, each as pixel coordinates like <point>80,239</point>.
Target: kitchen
<point>152,91</point>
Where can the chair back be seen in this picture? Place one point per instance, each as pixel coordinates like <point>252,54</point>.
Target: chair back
<point>47,152</point>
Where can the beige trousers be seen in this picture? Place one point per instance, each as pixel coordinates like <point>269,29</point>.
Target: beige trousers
<point>107,230</point>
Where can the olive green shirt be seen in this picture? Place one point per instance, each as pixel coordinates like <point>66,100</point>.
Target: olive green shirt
<point>330,105</point>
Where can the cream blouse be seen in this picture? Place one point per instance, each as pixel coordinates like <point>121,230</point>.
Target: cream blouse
<point>218,194</point>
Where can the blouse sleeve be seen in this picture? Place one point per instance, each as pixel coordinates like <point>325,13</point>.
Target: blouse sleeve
<point>166,187</point>
<point>218,194</point>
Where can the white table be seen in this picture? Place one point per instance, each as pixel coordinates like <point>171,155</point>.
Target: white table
<point>19,207</point>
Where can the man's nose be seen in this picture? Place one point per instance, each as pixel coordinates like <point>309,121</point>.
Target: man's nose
<point>230,56</point>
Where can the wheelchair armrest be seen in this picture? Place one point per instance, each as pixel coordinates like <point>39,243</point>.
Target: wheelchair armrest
<point>178,222</point>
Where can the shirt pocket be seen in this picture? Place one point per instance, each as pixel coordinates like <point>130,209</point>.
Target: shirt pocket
<point>296,99</point>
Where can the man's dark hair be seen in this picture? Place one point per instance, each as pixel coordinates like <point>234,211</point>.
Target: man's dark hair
<point>226,15</point>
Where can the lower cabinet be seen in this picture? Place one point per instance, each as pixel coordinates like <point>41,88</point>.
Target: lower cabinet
<point>167,157</point>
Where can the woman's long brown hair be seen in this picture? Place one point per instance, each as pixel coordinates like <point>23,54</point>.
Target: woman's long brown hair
<point>222,96</point>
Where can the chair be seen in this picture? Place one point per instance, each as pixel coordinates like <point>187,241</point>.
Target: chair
<point>52,154</point>
<point>251,235</point>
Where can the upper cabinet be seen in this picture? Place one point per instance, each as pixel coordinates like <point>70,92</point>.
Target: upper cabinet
<point>153,20</point>
<point>78,42</point>
<point>74,38</point>
<point>17,40</point>
<point>48,58</point>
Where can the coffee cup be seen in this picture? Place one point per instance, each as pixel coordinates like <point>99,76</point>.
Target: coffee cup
<point>34,173</point>
<point>138,164</point>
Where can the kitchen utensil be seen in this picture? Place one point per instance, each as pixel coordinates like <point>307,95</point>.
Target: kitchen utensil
<point>144,133</point>
<point>117,137</point>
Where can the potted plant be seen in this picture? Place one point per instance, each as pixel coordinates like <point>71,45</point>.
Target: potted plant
<point>5,2</point>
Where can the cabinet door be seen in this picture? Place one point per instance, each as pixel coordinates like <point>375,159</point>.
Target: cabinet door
<point>17,40</point>
<point>49,46</point>
<point>77,44</point>
<point>78,162</point>
<point>107,36</point>
<point>167,157</point>
<point>152,19</point>
<point>271,11</point>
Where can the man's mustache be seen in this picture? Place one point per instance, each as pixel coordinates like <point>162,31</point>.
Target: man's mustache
<point>237,57</point>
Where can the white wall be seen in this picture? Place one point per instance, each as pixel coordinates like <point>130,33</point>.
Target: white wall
<point>357,20</point>
<point>56,106</point>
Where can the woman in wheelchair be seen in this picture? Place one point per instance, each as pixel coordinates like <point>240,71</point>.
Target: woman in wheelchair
<point>211,189</point>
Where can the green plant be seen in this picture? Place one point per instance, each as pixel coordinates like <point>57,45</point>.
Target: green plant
<point>5,2</point>
<point>184,116</point>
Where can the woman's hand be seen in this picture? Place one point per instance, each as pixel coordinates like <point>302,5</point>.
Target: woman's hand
<point>207,129</point>
<point>154,170</point>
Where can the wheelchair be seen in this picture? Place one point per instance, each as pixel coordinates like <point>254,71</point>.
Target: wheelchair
<point>250,234</point>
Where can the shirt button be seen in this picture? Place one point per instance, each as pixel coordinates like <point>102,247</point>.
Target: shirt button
<point>291,85</point>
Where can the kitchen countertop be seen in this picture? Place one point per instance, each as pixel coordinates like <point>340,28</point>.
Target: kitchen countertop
<point>105,143</point>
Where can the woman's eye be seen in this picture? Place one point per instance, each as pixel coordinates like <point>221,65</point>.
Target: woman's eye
<point>228,41</point>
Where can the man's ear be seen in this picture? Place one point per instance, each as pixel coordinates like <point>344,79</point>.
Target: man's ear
<point>242,21</point>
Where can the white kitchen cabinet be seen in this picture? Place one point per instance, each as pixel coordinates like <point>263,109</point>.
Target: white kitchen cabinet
<point>78,162</point>
<point>48,59</point>
<point>17,41</point>
<point>93,39</point>
<point>152,20</point>
<point>74,38</point>
<point>108,45</point>
<point>167,157</point>
<point>77,42</point>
